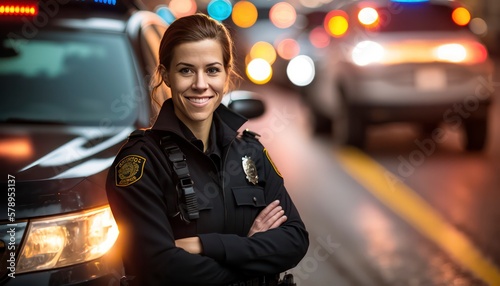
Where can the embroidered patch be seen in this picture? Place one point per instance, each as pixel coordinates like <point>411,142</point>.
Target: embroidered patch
<point>272,163</point>
<point>129,170</point>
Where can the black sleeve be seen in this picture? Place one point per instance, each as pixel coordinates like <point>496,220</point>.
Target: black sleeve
<point>134,189</point>
<point>269,252</point>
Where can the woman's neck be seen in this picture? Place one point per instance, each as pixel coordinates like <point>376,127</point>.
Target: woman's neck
<point>202,132</point>
<point>200,129</point>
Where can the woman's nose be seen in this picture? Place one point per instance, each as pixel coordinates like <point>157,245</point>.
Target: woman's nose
<point>200,81</point>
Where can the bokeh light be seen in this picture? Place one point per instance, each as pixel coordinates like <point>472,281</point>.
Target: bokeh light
<point>451,52</point>
<point>282,15</point>
<point>461,16</point>
<point>219,9</point>
<point>18,9</point>
<point>259,71</point>
<point>244,14</point>
<point>319,38</point>
<point>368,16</point>
<point>181,8</point>
<point>311,3</point>
<point>301,70</point>
<point>287,48</point>
<point>336,23</point>
<point>165,13</point>
<point>263,50</point>
<point>367,52</point>
<point>478,26</point>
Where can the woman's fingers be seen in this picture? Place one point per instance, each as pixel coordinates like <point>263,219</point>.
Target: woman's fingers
<point>270,217</point>
<point>279,221</point>
<point>269,209</point>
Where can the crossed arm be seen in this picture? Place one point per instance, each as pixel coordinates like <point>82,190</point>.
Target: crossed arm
<point>270,217</point>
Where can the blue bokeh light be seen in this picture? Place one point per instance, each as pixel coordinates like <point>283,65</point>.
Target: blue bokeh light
<point>219,9</point>
<point>109,2</point>
<point>165,13</point>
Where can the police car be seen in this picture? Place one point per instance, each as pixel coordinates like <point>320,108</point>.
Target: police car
<point>74,81</point>
<point>402,61</point>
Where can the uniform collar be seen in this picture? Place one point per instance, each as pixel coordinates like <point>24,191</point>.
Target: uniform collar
<point>226,122</point>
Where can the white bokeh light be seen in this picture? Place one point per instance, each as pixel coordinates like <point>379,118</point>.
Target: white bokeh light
<point>301,70</point>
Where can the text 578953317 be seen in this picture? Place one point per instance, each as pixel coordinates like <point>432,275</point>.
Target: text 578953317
<point>11,201</point>
<point>11,213</point>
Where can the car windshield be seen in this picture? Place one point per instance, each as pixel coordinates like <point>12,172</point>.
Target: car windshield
<point>403,17</point>
<point>67,78</point>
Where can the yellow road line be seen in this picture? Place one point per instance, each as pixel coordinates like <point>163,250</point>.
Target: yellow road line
<point>411,207</point>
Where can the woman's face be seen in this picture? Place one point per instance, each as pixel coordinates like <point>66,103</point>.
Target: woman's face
<point>197,79</point>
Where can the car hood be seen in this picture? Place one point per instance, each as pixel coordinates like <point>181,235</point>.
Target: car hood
<point>55,170</point>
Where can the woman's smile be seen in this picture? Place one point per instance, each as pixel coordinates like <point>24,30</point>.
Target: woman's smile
<point>199,101</point>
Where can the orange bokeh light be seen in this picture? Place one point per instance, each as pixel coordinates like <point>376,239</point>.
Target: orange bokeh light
<point>244,14</point>
<point>461,16</point>
<point>336,23</point>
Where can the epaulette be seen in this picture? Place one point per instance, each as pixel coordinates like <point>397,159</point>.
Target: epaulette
<point>250,134</point>
<point>137,133</point>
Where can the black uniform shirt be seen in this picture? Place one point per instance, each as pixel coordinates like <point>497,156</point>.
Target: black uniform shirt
<point>140,190</point>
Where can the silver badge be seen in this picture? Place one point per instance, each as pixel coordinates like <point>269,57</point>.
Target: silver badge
<point>250,170</point>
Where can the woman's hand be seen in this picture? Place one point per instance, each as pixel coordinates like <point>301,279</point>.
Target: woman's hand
<point>270,217</point>
<point>190,244</point>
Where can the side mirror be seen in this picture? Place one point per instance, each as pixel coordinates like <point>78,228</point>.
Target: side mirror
<point>245,103</point>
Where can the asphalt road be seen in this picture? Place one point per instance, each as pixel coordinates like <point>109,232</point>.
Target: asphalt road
<point>405,211</point>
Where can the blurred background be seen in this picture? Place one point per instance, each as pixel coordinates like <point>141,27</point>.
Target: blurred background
<point>382,116</point>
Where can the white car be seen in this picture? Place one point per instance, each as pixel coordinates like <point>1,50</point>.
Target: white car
<point>402,61</point>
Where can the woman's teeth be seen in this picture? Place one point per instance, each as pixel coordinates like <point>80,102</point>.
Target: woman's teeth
<point>198,99</point>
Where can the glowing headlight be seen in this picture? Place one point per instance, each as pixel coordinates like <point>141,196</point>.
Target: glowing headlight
<point>367,52</point>
<point>451,52</point>
<point>66,240</point>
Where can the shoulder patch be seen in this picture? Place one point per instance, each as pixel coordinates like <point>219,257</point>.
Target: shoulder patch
<point>129,170</point>
<point>272,163</point>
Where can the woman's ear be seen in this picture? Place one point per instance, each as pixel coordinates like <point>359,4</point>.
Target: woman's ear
<point>164,74</point>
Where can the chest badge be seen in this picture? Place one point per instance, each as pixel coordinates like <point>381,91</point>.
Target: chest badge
<point>250,170</point>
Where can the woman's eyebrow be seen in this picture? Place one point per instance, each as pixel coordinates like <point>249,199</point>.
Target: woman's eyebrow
<point>191,65</point>
<point>184,64</point>
<point>214,64</point>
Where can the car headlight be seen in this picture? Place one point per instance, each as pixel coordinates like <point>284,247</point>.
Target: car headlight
<point>68,239</point>
<point>367,52</point>
<point>454,53</point>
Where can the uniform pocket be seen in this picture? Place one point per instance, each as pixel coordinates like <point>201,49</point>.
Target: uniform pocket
<point>249,196</point>
<point>249,201</point>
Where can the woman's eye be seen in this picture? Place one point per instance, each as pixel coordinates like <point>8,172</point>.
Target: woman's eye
<point>213,70</point>
<point>184,71</point>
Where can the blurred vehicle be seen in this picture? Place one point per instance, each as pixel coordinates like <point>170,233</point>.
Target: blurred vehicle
<point>74,82</point>
<point>401,61</point>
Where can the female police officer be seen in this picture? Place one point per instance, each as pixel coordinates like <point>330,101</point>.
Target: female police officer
<point>236,222</point>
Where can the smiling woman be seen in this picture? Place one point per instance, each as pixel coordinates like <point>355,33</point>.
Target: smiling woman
<point>206,205</point>
<point>197,79</point>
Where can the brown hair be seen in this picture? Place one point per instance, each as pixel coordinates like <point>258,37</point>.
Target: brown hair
<point>194,28</point>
